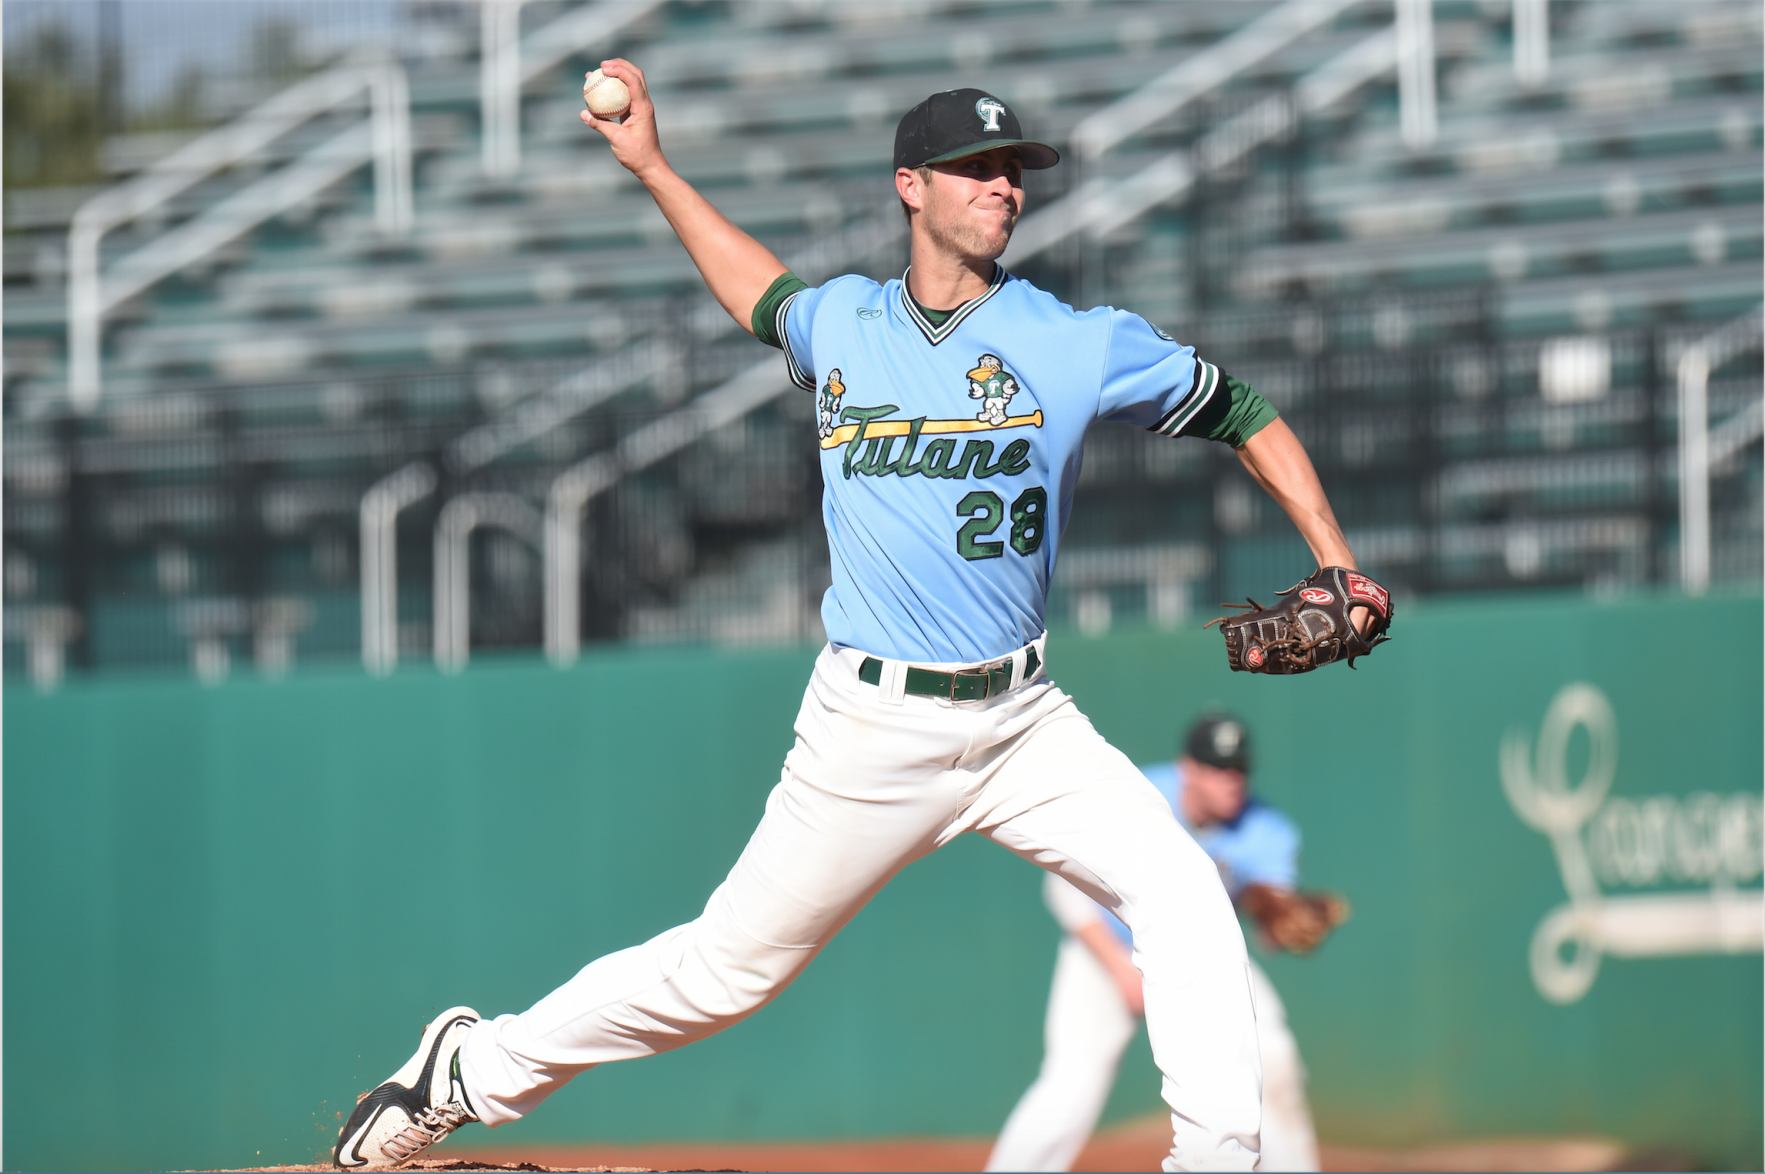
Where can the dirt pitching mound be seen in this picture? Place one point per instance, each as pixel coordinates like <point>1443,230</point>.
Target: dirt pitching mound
<point>471,1167</point>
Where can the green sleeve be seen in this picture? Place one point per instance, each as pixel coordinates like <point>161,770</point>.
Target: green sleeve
<point>1235,418</point>
<point>764,321</point>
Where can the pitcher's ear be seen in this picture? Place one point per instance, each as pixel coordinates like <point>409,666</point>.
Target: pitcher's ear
<point>911,188</point>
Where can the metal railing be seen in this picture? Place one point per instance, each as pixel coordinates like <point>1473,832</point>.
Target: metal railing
<point>1532,42</point>
<point>453,570</point>
<point>507,61</point>
<point>564,400</point>
<point>1202,73</point>
<point>572,490</point>
<point>499,85</point>
<point>1099,206</point>
<point>1416,107</point>
<point>380,508</point>
<point>386,140</point>
<point>1699,448</point>
<point>568,398</point>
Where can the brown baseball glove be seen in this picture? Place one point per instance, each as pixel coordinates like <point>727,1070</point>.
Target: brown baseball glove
<point>1310,627</point>
<point>1293,920</point>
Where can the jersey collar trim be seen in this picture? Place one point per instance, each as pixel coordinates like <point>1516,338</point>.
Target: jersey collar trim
<point>937,334</point>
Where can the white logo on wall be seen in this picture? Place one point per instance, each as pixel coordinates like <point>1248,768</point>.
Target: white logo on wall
<point>1703,839</point>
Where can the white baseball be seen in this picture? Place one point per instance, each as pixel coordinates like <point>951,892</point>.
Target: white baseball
<point>607,97</point>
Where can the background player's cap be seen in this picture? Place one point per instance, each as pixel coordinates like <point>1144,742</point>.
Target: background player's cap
<point>1219,739</point>
<point>958,123</point>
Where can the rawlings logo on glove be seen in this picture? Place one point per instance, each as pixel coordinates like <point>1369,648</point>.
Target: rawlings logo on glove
<point>1311,626</point>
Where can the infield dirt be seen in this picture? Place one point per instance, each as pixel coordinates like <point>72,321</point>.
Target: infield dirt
<point>1133,1145</point>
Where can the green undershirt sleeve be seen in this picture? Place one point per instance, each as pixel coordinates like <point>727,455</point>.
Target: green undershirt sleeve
<point>1235,418</point>
<point>764,320</point>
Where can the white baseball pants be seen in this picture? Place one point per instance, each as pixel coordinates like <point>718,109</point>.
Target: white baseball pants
<point>1089,1027</point>
<point>877,779</point>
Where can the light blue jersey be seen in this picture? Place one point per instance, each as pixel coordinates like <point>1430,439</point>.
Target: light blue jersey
<point>1261,846</point>
<point>950,453</point>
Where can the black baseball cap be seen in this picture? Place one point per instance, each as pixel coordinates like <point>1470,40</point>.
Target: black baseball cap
<point>958,123</point>
<point>1220,740</point>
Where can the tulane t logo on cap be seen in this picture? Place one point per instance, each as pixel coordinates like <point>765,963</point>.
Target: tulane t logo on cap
<point>956,123</point>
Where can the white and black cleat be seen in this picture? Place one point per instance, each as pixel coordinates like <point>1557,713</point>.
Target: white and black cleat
<point>422,1103</point>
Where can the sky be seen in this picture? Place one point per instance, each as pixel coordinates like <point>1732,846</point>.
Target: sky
<point>158,37</point>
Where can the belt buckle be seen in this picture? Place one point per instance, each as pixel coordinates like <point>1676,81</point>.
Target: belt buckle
<point>984,674</point>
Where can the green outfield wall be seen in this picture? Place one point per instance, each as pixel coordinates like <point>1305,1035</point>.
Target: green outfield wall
<point>229,910</point>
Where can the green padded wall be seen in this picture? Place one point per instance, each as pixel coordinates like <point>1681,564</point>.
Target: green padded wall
<point>228,910</point>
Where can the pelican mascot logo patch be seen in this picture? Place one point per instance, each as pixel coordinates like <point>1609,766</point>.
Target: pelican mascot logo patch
<point>994,386</point>
<point>831,391</point>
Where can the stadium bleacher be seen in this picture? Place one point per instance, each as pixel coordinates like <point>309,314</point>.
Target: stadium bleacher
<point>1618,205</point>
<point>1398,304</point>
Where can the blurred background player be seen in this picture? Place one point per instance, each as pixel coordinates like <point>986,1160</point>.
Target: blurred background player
<point>1096,1001</point>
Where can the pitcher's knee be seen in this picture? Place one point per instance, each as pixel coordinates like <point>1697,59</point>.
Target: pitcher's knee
<point>729,975</point>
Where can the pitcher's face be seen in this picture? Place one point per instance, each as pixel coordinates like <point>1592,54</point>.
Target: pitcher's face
<point>972,204</point>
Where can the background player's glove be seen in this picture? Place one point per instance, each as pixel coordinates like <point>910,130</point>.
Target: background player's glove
<point>1310,627</point>
<point>1296,921</point>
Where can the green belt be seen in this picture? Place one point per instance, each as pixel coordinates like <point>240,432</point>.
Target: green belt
<point>965,685</point>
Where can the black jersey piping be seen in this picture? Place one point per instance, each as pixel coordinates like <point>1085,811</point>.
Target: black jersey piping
<point>937,334</point>
<point>1207,381</point>
<point>798,376</point>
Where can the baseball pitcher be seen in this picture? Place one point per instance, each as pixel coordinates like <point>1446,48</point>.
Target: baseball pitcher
<point>930,712</point>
